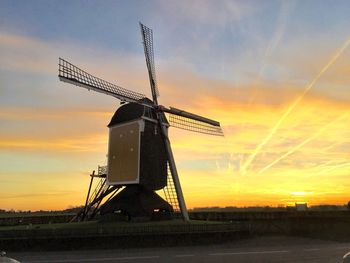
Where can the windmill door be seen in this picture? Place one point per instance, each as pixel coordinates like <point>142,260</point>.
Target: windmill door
<point>124,153</point>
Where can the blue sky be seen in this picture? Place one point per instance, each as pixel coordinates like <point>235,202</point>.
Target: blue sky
<point>212,38</point>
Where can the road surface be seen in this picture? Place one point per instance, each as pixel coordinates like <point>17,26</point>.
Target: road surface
<point>257,250</point>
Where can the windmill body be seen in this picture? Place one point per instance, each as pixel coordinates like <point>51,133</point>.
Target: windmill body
<point>136,151</point>
<point>137,161</point>
<point>140,158</point>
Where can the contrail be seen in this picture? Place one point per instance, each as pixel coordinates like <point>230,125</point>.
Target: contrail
<point>324,164</point>
<point>281,22</point>
<point>303,143</point>
<point>285,10</point>
<point>334,167</point>
<point>295,103</point>
<point>334,144</point>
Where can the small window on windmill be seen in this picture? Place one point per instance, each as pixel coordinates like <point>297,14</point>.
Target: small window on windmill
<point>124,153</point>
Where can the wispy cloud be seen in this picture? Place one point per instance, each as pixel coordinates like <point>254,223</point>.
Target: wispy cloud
<point>281,23</point>
<point>208,57</point>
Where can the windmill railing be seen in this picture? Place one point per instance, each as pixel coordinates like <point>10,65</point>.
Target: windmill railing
<point>102,171</point>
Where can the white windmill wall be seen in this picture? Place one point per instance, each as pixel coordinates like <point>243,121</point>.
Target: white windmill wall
<point>124,143</point>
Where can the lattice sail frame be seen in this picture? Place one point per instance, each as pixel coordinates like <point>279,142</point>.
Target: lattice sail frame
<point>67,72</point>
<point>193,125</point>
<point>147,36</point>
<point>170,192</point>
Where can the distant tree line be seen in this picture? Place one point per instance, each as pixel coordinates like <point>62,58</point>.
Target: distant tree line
<point>71,209</point>
<point>76,209</point>
<point>324,207</point>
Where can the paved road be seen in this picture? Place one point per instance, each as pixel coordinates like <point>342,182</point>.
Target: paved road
<point>263,249</point>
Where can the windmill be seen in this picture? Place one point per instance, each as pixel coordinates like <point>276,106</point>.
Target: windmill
<point>140,158</point>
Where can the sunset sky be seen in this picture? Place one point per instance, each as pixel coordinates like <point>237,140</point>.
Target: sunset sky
<point>276,74</point>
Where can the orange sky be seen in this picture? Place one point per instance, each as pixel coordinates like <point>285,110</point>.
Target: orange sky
<point>54,134</point>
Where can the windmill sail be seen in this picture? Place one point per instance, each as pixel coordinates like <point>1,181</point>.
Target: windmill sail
<point>193,122</point>
<point>126,137</point>
<point>67,72</point>
<point>193,125</point>
<point>147,37</point>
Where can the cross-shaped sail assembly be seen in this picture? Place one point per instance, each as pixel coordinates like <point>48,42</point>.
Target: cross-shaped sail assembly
<point>139,140</point>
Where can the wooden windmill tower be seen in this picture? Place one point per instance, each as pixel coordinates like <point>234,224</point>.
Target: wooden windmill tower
<point>140,159</point>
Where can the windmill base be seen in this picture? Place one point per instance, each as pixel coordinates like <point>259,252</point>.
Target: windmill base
<point>136,203</point>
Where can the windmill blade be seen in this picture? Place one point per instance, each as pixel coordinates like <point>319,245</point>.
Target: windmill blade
<point>190,115</point>
<point>193,125</point>
<point>147,37</point>
<point>67,72</point>
<point>192,122</point>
